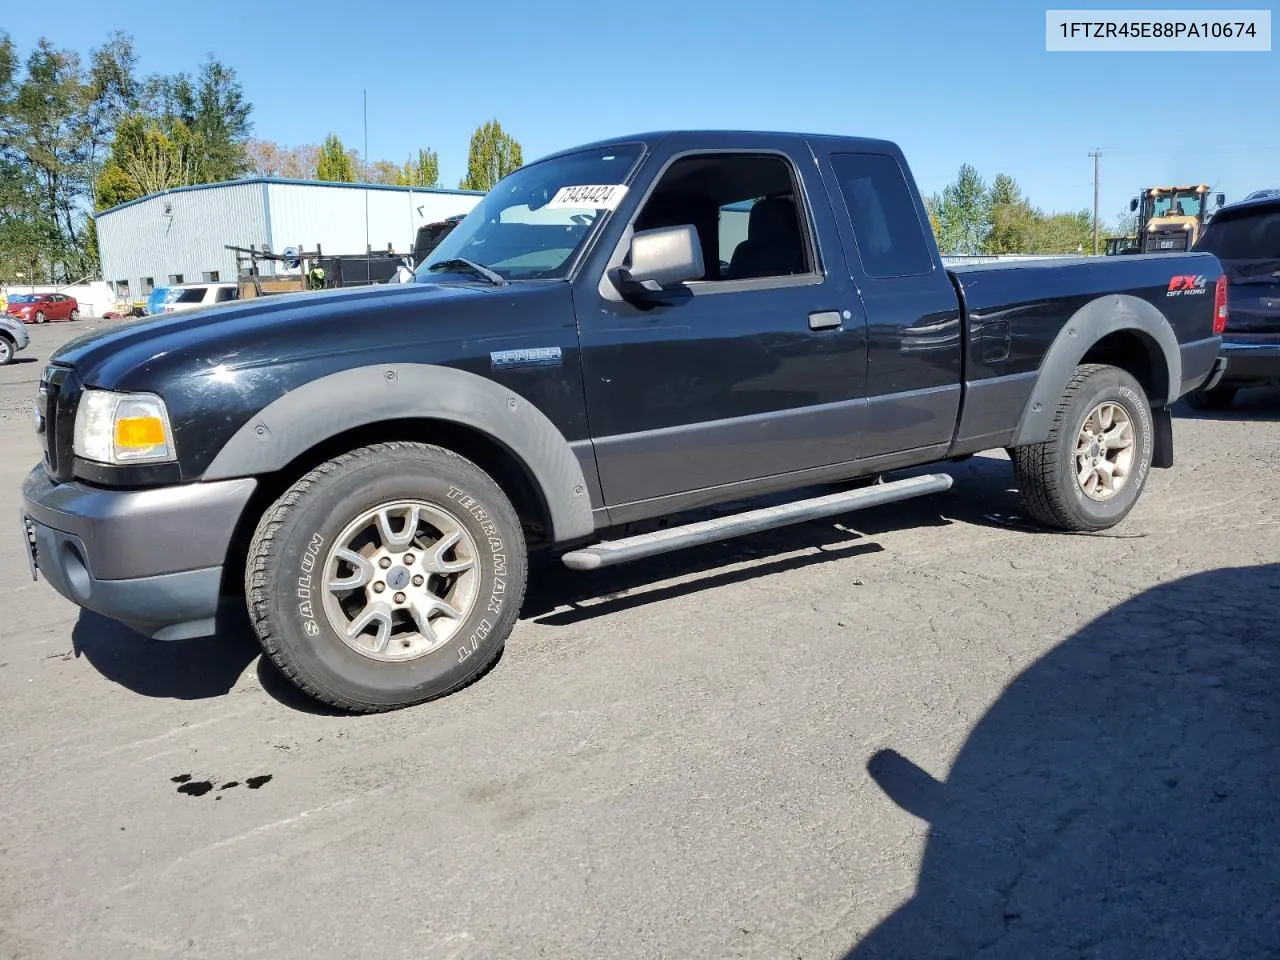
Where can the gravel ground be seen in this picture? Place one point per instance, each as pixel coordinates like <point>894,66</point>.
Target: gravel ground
<point>927,731</point>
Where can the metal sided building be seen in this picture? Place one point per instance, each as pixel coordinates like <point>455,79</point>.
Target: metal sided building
<point>181,235</point>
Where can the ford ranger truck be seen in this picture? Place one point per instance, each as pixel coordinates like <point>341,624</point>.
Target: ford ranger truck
<point>617,333</point>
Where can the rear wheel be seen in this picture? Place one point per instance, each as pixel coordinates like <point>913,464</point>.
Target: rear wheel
<point>387,576</point>
<point>75,315</point>
<point>1219,398</point>
<point>1089,473</point>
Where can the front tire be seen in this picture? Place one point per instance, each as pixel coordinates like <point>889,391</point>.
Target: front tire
<point>39,318</point>
<point>1089,473</point>
<point>386,577</point>
<point>7,350</point>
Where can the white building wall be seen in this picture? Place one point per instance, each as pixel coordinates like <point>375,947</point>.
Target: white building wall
<point>333,217</point>
<point>140,240</point>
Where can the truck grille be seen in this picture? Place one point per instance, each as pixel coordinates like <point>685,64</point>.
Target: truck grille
<point>1164,241</point>
<point>56,402</point>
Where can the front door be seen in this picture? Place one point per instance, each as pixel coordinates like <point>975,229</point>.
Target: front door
<point>756,370</point>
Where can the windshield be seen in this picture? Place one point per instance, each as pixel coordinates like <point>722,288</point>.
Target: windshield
<point>530,226</point>
<point>1183,203</point>
<point>25,298</point>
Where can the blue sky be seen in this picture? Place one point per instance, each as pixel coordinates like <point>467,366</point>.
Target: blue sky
<point>950,82</point>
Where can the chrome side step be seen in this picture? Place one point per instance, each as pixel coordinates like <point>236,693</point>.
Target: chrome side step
<point>612,552</point>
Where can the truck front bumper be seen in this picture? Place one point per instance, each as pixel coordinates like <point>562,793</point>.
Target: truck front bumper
<point>1246,360</point>
<point>151,559</point>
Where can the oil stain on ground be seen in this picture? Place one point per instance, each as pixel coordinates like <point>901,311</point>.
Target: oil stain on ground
<point>198,788</point>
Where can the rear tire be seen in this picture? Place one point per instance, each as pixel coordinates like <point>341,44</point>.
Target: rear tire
<point>1219,398</point>
<point>75,315</point>
<point>348,520</point>
<point>1089,473</point>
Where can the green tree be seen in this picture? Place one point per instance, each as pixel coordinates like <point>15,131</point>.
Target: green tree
<point>213,109</point>
<point>963,213</point>
<point>382,171</point>
<point>266,158</point>
<point>1126,224</point>
<point>146,158</point>
<point>1064,233</point>
<point>334,163</point>
<point>1011,219</point>
<point>422,172</point>
<point>47,137</point>
<point>60,120</point>
<point>493,154</point>
<point>931,208</point>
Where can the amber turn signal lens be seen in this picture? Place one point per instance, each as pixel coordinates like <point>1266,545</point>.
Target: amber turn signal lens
<point>139,432</point>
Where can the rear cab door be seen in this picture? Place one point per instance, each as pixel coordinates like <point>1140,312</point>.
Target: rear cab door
<point>755,370</point>
<point>914,321</point>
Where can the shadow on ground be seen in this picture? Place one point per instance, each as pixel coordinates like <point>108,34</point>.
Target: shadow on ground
<point>1253,403</point>
<point>196,669</point>
<point>1118,800</point>
<point>211,666</point>
<point>983,494</point>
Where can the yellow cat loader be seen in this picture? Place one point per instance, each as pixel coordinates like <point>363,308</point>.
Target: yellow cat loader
<point>1171,219</point>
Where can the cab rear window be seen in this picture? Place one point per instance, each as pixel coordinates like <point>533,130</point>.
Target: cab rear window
<point>1254,235</point>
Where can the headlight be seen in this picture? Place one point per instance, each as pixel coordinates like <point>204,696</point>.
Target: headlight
<point>121,428</point>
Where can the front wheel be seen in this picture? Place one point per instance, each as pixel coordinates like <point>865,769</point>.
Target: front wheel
<point>386,577</point>
<point>1089,473</point>
<point>6,350</point>
<point>39,318</point>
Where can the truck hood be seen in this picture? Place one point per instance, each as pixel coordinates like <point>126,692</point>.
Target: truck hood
<point>268,330</point>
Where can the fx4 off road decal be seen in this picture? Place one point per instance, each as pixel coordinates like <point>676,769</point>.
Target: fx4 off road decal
<point>1187,286</point>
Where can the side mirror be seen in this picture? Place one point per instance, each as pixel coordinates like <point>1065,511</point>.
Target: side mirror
<point>1221,199</point>
<point>1133,205</point>
<point>661,258</point>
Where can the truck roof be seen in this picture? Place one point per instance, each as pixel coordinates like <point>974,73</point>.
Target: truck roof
<point>1250,203</point>
<point>727,137</point>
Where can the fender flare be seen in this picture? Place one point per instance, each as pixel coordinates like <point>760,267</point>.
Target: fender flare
<point>323,408</point>
<point>1099,318</point>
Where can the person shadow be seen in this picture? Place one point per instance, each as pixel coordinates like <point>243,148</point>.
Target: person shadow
<point>1119,800</point>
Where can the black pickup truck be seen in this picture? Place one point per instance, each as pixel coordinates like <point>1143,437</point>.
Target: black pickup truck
<point>620,332</point>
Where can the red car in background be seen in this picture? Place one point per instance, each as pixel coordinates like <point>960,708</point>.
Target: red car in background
<point>42,307</point>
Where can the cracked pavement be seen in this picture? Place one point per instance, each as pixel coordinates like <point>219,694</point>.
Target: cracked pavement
<point>927,730</point>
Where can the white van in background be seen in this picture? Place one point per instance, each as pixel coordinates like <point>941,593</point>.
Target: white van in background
<point>188,296</point>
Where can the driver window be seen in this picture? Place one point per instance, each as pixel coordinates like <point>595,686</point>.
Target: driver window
<point>745,210</point>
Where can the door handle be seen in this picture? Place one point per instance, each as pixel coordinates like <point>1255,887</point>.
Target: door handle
<point>825,320</point>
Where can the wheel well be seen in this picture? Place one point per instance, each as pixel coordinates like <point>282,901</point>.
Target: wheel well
<point>482,450</point>
<point>1138,355</point>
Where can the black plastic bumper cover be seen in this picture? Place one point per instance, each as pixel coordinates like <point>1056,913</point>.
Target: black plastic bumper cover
<point>151,559</point>
<point>1252,361</point>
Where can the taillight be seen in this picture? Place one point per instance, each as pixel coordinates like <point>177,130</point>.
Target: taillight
<point>1220,305</point>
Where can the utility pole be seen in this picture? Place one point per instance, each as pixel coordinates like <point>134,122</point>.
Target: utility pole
<point>1096,155</point>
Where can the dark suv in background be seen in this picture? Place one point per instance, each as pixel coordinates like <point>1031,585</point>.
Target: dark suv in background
<point>1245,237</point>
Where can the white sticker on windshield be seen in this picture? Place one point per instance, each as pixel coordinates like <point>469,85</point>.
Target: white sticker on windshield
<point>587,196</point>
